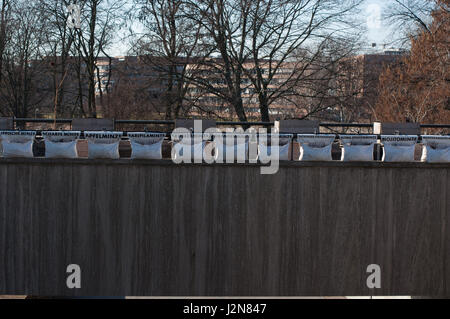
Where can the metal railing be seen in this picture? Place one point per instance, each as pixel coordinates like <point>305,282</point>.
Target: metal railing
<point>235,123</point>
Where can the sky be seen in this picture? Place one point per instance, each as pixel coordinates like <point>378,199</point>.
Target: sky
<point>378,32</point>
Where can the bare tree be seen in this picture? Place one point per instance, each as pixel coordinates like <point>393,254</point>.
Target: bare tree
<point>226,24</point>
<point>5,12</point>
<point>326,84</point>
<point>257,44</point>
<point>280,30</point>
<point>99,20</point>
<point>22,64</point>
<point>408,18</point>
<point>170,38</point>
<point>58,47</point>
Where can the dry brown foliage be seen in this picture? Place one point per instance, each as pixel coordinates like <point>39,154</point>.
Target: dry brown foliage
<point>418,88</point>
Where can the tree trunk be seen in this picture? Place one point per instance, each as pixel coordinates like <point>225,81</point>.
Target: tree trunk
<point>2,37</point>
<point>239,108</point>
<point>264,108</point>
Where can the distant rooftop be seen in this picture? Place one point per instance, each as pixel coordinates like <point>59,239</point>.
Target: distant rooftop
<point>383,49</point>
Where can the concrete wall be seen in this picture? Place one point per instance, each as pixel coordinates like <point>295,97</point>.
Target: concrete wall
<point>154,228</point>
